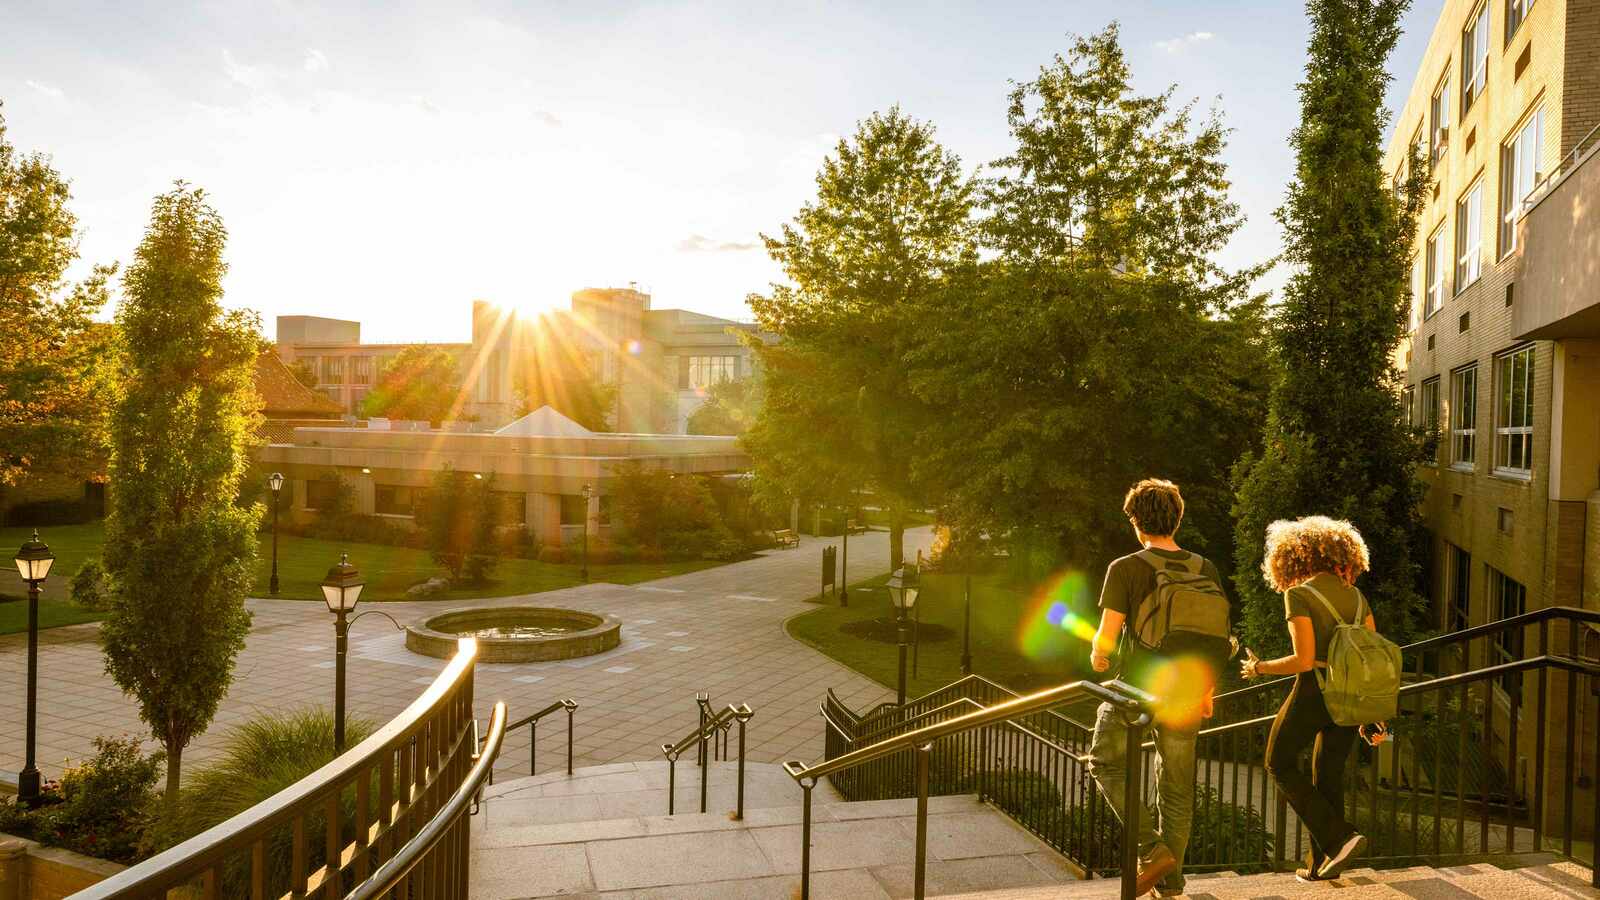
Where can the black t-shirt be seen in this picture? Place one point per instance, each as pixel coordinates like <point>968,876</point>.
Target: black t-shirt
<point>1129,581</point>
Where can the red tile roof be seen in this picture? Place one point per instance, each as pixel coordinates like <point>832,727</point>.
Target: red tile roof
<point>284,397</point>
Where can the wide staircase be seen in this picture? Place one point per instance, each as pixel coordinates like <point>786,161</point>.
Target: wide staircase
<point>971,791</point>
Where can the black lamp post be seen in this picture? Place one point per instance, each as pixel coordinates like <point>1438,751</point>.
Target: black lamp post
<point>275,482</point>
<point>966,628</point>
<point>588,492</point>
<point>844,567</point>
<point>341,589</point>
<point>903,593</point>
<point>33,564</point>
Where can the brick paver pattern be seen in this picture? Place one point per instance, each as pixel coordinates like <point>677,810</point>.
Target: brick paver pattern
<point>718,630</point>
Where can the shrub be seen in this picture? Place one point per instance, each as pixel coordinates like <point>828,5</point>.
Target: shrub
<point>100,807</point>
<point>89,588</point>
<point>459,517</point>
<point>50,512</point>
<point>260,758</point>
<point>1225,833</point>
<point>552,555</point>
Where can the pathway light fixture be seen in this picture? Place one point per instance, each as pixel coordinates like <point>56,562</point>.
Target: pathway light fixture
<point>33,564</point>
<point>903,594</point>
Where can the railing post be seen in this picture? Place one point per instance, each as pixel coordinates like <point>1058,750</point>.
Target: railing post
<point>805,840</point>
<point>571,707</point>
<point>672,784</point>
<point>705,770</point>
<point>920,887</point>
<point>1133,786</point>
<point>743,715</point>
<point>702,700</point>
<point>1594,853</point>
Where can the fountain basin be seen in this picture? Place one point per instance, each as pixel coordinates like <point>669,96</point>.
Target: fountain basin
<point>512,634</point>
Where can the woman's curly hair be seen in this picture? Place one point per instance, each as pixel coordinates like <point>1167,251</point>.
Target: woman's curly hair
<point>1302,548</point>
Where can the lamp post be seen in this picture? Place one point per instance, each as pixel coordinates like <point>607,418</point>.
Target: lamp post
<point>588,492</point>
<point>275,482</point>
<point>844,567</point>
<point>33,564</point>
<point>903,593</point>
<point>341,589</point>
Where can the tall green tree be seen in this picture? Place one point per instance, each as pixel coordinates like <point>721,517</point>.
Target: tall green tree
<point>730,408</point>
<point>569,387</point>
<point>1336,442</point>
<point>893,214</point>
<point>180,550</point>
<point>420,383</point>
<point>54,380</point>
<point>459,517</point>
<point>1098,343</point>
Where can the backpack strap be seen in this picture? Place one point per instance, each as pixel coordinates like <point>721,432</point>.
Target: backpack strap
<point>1194,565</point>
<point>1329,604</point>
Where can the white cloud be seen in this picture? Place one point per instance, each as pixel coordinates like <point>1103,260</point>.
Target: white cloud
<point>253,77</point>
<point>49,90</point>
<point>547,117</point>
<point>316,60</point>
<point>1178,44</point>
<point>699,243</point>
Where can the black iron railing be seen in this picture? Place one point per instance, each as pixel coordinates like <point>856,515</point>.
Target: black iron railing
<point>532,723</point>
<point>387,817</point>
<point>704,738</point>
<point>1010,751</point>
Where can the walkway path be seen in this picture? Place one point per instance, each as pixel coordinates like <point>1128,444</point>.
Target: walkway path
<point>718,630</point>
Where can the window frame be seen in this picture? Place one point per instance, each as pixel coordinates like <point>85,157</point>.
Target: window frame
<point>1475,57</point>
<point>1433,299</point>
<point>1439,118</point>
<point>1464,417</point>
<point>709,369</point>
<point>1516,13</point>
<point>1458,589</point>
<point>1428,411</point>
<point>1508,436</point>
<point>1469,248</point>
<point>1515,188</point>
<point>1507,645</point>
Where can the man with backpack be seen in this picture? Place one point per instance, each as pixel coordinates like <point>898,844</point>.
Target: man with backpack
<point>1169,610</point>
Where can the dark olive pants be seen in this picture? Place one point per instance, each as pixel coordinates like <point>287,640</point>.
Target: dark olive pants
<point>1318,797</point>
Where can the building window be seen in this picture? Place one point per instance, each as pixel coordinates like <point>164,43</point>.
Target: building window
<point>511,507</point>
<point>1519,173</point>
<point>1428,410</point>
<point>1416,293</point>
<point>1464,416</point>
<point>1469,237</point>
<point>394,500</point>
<point>357,397</point>
<point>1408,399</point>
<point>1513,426</point>
<point>573,509</point>
<point>704,371</point>
<point>360,370</point>
<point>323,493</point>
<point>1516,11</point>
<point>1475,58</point>
<point>1458,614</point>
<point>1438,121</point>
<point>1507,599</point>
<point>333,370</point>
<point>1436,266</point>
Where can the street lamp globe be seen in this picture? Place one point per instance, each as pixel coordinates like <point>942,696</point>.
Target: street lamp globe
<point>34,559</point>
<point>342,588</point>
<point>588,491</point>
<point>275,481</point>
<point>903,589</point>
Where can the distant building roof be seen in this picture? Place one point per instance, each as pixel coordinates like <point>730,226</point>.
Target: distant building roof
<point>284,397</point>
<point>545,422</point>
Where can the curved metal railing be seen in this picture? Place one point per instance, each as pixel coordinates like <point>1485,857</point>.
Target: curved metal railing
<point>987,724</point>
<point>391,797</point>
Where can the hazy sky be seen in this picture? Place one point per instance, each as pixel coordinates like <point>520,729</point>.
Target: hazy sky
<point>390,162</point>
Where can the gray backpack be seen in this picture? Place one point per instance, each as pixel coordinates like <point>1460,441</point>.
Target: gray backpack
<point>1186,615</point>
<point>1361,684</point>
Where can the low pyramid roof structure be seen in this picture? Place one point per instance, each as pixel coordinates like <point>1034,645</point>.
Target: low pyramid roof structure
<point>545,422</point>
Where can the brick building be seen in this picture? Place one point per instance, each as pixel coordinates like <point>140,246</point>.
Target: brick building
<point>1503,359</point>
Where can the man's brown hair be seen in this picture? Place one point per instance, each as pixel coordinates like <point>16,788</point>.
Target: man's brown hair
<point>1155,507</point>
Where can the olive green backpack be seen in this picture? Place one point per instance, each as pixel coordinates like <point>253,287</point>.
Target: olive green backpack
<point>1361,683</point>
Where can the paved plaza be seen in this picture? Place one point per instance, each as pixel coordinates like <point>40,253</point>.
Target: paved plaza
<point>718,630</point>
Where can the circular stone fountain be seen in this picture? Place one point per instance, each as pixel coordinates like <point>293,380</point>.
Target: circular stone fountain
<point>511,634</point>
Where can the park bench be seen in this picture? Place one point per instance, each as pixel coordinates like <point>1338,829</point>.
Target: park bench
<point>785,537</point>
<point>851,526</point>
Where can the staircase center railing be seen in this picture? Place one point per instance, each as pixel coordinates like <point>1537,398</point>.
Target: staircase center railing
<point>978,739</point>
<point>711,724</point>
<point>532,723</point>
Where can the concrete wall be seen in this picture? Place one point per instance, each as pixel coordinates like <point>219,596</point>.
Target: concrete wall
<point>31,871</point>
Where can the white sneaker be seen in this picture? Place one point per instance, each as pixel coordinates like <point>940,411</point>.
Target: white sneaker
<point>1335,864</point>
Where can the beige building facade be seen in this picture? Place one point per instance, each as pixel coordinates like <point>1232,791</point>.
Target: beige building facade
<point>1503,358</point>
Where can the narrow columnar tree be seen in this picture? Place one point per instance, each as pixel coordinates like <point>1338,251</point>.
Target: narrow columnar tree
<point>893,214</point>
<point>180,549</point>
<point>1335,441</point>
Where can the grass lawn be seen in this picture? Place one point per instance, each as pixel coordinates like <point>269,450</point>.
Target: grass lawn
<point>302,564</point>
<point>1008,644</point>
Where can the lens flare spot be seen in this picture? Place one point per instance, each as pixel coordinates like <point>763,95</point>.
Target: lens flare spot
<point>1053,624</point>
<point>1183,686</point>
<point>632,347</point>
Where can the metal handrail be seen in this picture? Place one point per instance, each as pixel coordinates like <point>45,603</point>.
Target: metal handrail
<point>393,872</point>
<point>710,724</point>
<point>1574,156</point>
<point>204,855</point>
<point>1132,702</point>
<point>532,721</point>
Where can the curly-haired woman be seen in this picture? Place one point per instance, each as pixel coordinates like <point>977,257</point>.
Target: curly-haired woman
<point>1314,561</point>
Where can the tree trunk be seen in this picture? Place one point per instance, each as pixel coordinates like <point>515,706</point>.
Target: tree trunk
<point>174,773</point>
<point>897,537</point>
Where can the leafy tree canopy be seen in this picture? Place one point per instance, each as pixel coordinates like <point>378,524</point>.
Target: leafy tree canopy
<point>730,408</point>
<point>420,384</point>
<point>54,377</point>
